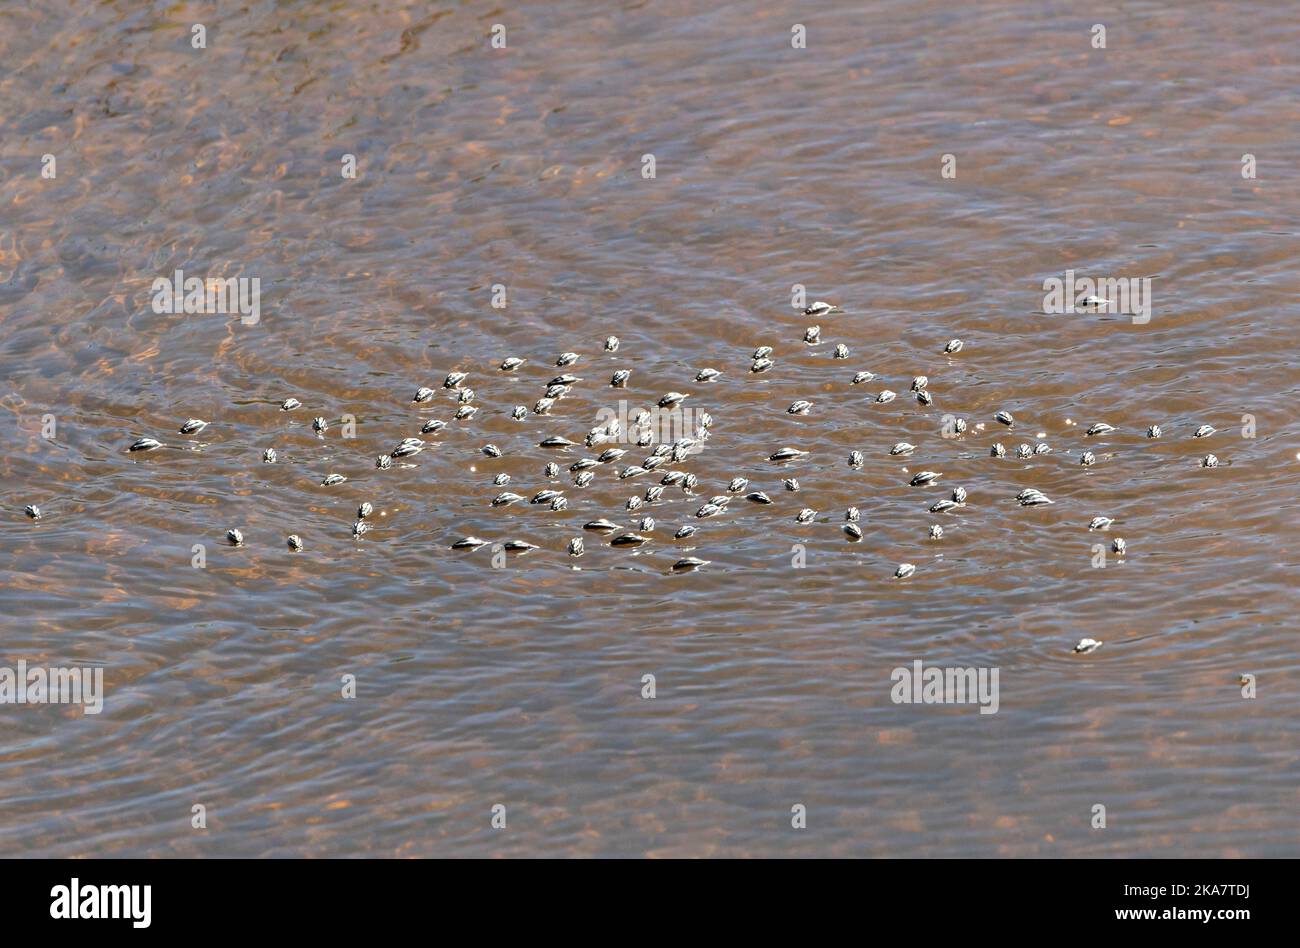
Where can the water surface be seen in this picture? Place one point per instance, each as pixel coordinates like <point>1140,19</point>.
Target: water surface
<point>522,686</point>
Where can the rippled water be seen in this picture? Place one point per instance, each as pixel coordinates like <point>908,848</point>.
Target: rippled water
<point>522,685</point>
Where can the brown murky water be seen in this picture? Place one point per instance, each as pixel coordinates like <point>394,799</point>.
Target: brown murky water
<point>521,686</point>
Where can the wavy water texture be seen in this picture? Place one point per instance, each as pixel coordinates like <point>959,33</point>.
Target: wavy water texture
<point>522,685</point>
